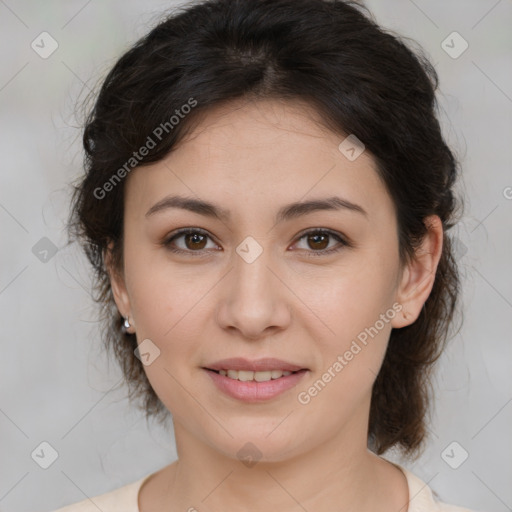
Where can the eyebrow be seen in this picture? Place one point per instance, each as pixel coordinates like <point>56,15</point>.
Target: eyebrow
<point>287,212</point>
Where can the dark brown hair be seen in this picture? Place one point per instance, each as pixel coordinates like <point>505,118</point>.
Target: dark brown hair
<point>360,78</point>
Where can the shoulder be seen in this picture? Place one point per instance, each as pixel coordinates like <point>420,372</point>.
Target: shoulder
<point>122,499</point>
<point>422,499</point>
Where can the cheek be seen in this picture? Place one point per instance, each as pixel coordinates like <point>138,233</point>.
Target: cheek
<point>349,366</point>
<point>357,309</point>
<point>353,300</point>
<point>160,296</point>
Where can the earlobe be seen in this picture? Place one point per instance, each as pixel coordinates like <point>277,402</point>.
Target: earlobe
<point>117,284</point>
<point>418,277</point>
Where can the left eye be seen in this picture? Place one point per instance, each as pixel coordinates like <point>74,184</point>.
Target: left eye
<point>195,241</point>
<point>319,240</point>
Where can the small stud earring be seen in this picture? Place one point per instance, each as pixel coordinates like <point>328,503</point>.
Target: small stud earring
<point>126,324</point>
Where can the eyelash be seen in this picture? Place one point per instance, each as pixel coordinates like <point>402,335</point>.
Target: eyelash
<point>315,254</point>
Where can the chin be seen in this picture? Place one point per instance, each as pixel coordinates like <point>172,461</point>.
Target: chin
<point>251,446</point>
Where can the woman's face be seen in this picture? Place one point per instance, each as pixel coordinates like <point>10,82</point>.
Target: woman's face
<point>253,284</point>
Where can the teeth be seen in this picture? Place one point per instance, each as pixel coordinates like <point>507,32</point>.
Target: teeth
<point>246,376</point>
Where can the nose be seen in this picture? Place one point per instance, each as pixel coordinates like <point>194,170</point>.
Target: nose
<point>254,299</point>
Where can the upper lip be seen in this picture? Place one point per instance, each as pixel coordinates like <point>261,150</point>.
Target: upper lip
<point>257,365</point>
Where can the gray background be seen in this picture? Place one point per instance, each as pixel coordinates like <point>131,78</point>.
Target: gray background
<point>56,385</point>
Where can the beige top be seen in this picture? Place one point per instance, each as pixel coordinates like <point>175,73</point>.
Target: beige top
<point>125,499</point>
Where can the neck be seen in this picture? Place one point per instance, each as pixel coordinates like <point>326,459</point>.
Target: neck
<point>338,474</point>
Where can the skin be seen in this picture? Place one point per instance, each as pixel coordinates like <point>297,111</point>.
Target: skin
<point>252,158</point>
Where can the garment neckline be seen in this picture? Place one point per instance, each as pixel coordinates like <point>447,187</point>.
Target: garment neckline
<point>420,496</point>
<point>138,487</point>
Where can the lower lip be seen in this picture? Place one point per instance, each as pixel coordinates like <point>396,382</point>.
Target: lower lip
<point>253,391</point>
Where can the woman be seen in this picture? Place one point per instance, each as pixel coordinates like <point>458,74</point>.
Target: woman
<point>265,204</point>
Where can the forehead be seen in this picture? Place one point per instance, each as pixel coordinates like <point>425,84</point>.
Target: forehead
<point>266,149</point>
<point>256,125</point>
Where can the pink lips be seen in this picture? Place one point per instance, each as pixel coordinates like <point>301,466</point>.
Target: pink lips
<point>258,365</point>
<point>253,391</point>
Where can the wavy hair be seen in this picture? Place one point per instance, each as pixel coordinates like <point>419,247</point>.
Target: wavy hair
<point>360,78</point>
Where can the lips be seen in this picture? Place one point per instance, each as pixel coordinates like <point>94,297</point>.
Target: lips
<point>249,381</point>
<point>253,391</point>
<point>258,365</point>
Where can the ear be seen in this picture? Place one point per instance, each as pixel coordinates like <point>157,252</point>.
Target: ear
<point>118,285</point>
<point>419,275</point>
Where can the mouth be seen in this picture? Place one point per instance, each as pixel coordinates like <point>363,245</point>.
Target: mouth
<point>259,370</point>
<point>252,376</point>
<point>254,381</point>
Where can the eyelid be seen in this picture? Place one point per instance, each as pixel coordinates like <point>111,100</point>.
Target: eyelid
<point>332,232</point>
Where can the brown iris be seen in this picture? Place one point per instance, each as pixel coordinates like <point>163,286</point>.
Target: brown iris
<point>195,238</point>
<point>315,238</point>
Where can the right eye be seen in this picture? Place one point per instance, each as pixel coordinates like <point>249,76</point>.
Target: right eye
<point>194,240</point>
